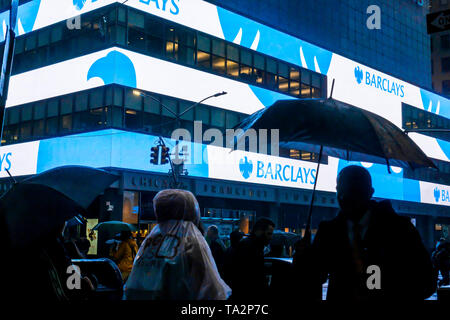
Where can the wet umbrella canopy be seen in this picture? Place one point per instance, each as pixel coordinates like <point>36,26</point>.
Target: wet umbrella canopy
<point>344,131</point>
<point>81,184</point>
<point>37,206</point>
<point>114,226</point>
<point>337,129</point>
<point>284,238</point>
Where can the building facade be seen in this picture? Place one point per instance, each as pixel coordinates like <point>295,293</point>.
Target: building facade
<point>97,83</point>
<point>440,53</point>
<point>401,47</point>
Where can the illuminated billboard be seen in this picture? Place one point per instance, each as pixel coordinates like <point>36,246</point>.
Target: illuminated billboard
<point>136,70</point>
<point>124,67</point>
<point>129,150</point>
<point>355,84</point>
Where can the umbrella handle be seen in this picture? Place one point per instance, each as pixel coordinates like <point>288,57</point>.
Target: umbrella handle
<point>10,175</point>
<point>308,222</point>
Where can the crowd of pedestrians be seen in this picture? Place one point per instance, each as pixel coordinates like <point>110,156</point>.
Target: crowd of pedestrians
<point>178,260</point>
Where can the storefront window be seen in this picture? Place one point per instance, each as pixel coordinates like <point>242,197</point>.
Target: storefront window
<point>130,211</point>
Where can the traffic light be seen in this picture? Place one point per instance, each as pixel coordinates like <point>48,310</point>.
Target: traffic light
<point>165,157</point>
<point>154,155</point>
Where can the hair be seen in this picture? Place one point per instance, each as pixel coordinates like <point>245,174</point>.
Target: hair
<point>262,224</point>
<point>214,229</point>
<point>235,237</point>
<point>176,204</point>
<point>359,176</point>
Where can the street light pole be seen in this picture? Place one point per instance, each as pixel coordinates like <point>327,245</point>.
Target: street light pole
<point>177,115</point>
<point>177,119</point>
<point>8,57</point>
<point>197,103</point>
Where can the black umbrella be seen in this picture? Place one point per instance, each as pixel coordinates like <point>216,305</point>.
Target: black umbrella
<point>79,183</point>
<point>337,129</point>
<point>76,221</point>
<point>284,238</point>
<point>35,207</point>
<point>114,226</point>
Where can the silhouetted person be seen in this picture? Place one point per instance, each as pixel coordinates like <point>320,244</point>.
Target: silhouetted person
<point>125,253</point>
<point>174,261</point>
<point>235,238</point>
<point>41,272</point>
<point>441,260</point>
<point>248,280</point>
<point>364,233</point>
<point>72,250</point>
<point>217,247</point>
<point>83,245</point>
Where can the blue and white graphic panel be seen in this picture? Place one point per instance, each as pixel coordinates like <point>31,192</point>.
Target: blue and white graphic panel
<point>124,67</point>
<point>264,169</point>
<point>382,94</point>
<point>19,159</point>
<point>39,14</point>
<point>129,150</point>
<point>435,193</point>
<point>135,70</point>
<point>355,83</point>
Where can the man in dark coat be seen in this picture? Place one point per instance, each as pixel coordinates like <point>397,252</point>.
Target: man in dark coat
<point>441,260</point>
<point>217,247</point>
<point>248,280</point>
<point>230,253</point>
<point>367,252</point>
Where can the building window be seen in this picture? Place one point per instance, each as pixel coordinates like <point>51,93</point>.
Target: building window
<point>415,118</point>
<point>162,39</point>
<point>78,112</point>
<point>306,84</point>
<point>446,87</point>
<point>445,41</point>
<point>445,64</point>
<point>66,123</point>
<point>130,211</point>
<point>302,155</point>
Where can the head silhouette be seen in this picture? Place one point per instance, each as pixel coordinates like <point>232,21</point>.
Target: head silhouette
<point>212,232</point>
<point>354,191</point>
<point>263,230</point>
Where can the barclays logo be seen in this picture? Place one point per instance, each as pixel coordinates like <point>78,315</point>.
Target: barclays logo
<point>164,5</point>
<point>437,194</point>
<point>246,167</point>
<point>379,82</point>
<point>271,171</point>
<point>358,75</point>
<point>441,195</point>
<point>79,4</point>
<point>5,161</point>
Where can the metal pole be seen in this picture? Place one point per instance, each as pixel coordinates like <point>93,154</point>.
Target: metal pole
<point>177,119</point>
<point>139,212</point>
<point>174,174</point>
<point>178,115</point>
<point>197,103</point>
<point>8,57</point>
<point>308,223</point>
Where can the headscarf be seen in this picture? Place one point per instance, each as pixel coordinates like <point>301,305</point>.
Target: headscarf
<point>174,262</point>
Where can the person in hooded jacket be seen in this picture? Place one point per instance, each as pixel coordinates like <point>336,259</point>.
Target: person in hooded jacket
<point>174,262</point>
